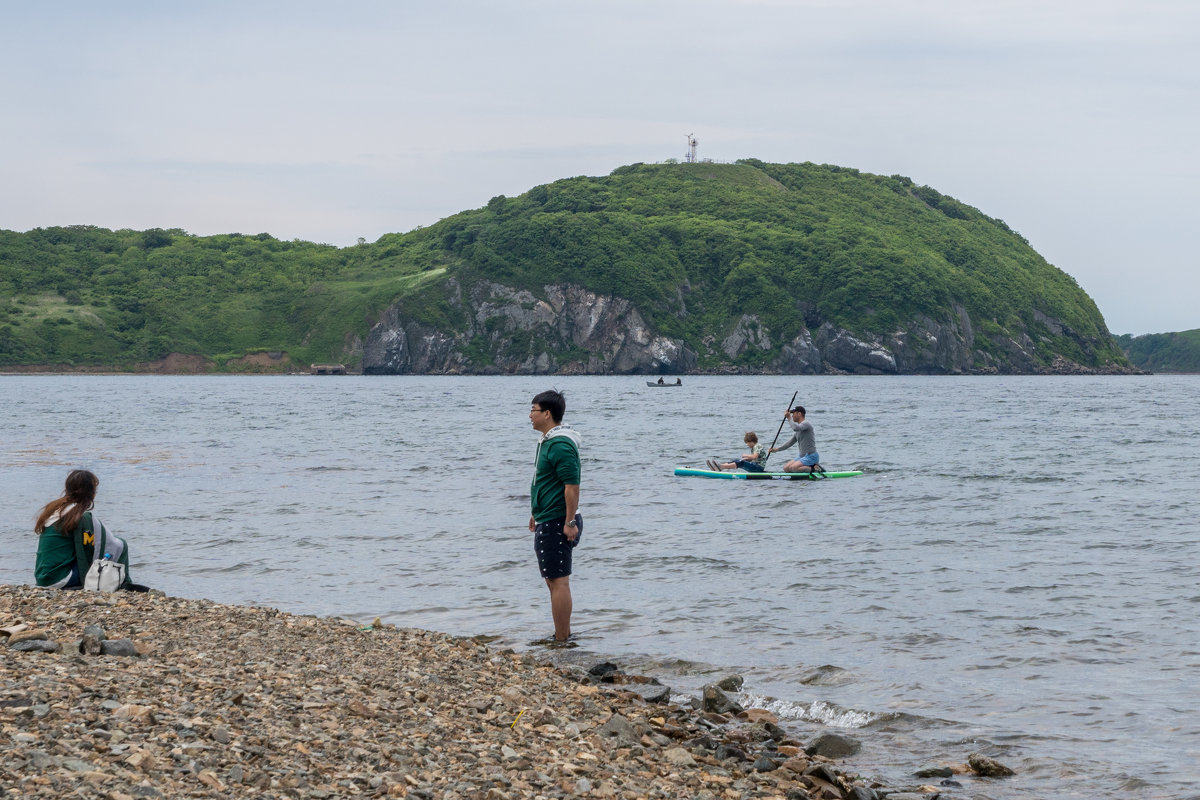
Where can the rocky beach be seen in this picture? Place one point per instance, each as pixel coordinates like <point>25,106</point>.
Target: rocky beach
<point>141,696</point>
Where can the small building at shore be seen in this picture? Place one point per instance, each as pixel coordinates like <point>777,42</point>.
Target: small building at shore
<point>327,369</point>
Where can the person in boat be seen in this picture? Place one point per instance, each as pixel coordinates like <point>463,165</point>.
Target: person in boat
<point>754,461</point>
<point>660,380</point>
<point>554,517</point>
<point>679,381</point>
<point>67,533</point>
<point>805,440</point>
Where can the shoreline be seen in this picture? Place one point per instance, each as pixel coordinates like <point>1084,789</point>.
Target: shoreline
<point>232,701</point>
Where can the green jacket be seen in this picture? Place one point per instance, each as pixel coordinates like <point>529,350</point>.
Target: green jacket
<point>57,554</point>
<point>556,465</point>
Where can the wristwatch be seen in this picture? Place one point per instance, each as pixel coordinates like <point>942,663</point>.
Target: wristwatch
<point>572,524</point>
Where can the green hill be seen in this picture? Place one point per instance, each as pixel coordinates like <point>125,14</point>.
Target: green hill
<point>1163,352</point>
<point>672,267</point>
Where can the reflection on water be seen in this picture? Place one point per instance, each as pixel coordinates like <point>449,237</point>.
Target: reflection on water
<point>1015,573</point>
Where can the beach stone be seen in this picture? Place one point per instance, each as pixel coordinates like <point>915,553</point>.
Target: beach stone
<point>619,731</point>
<point>862,793</point>
<point>27,636</point>
<point>35,646</point>
<point>220,734</point>
<point>650,692</point>
<point>725,751</point>
<point>833,745</point>
<point>934,771</point>
<point>134,712</point>
<point>604,671</point>
<point>732,683</point>
<point>94,630</point>
<point>716,701</point>
<point>679,757</point>
<point>767,732</point>
<point>822,772</point>
<point>988,767</point>
<point>765,764</point>
<point>90,645</point>
<point>758,715</point>
<point>118,647</point>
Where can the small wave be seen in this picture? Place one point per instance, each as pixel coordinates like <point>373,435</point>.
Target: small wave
<point>820,711</point>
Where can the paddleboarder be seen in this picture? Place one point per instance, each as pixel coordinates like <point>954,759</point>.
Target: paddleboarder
<point>805,439</point>
<point>554,504</point>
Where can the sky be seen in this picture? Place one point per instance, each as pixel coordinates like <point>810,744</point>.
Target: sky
<point>1075,121</point>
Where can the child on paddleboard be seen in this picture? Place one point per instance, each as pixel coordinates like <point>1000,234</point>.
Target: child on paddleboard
<point>751,462</point>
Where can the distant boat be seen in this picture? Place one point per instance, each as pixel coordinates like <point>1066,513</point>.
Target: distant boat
<point>658,384</point>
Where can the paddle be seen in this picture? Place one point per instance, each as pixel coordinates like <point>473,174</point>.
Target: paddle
<point>776,439</point>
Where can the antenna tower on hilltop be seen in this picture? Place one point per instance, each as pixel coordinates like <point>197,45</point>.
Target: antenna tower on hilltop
<point>691,151</point>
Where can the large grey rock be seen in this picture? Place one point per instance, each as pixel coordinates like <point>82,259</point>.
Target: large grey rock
<point>833,745</point>
<point>36,646</point>
<point>619,731</point>
<point>715,700</point>
<point>731,683</point>
<point>118,647</point>
<point>988,767</point>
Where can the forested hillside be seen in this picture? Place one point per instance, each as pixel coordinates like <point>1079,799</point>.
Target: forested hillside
<point>1164,352</point>
<point>738,266</point>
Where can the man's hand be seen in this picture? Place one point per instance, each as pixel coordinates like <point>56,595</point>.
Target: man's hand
<point>532,525</point>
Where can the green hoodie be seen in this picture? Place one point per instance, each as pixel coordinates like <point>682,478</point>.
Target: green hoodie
<point>556,465</point>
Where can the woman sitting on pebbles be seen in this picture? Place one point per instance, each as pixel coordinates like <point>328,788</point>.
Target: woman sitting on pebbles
<point>67,536</point>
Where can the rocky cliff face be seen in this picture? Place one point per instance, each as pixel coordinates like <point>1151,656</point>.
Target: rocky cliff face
<point>511,331</point>
<point>575,331</point>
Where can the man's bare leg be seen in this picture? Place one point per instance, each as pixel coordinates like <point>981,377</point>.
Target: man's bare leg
<point>560,606</point>
<point>796,466</point>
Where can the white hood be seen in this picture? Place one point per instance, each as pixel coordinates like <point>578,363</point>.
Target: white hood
<point>562,430</point>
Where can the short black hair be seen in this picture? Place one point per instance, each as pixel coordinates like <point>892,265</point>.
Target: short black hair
<point>553,401</point>
<point>800,409</point>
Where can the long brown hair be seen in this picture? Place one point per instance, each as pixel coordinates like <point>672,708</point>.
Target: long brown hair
<point>78,496</point>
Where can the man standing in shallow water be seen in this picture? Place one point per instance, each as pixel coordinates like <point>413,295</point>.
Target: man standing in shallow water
<point>554,504</point>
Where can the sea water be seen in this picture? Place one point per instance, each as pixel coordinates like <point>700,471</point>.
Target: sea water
<point>1016,573</point>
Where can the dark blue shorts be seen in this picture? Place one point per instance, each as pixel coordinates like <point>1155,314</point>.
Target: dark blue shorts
<point>552,548</point>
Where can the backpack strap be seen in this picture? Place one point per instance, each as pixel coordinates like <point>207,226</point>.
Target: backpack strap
<point>81,560</point>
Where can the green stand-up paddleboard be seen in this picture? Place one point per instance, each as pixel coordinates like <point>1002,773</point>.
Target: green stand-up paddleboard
<point>688,472</point>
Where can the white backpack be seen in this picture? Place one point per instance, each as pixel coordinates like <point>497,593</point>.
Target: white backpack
<point>107,573</point>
